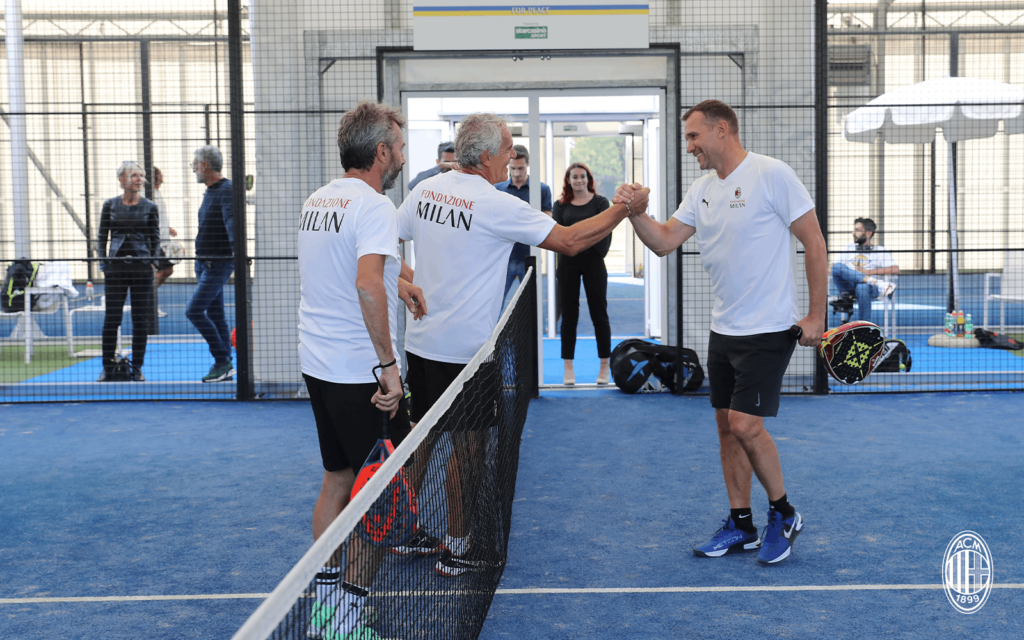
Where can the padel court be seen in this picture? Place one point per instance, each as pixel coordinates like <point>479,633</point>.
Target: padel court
<point>173,520</point>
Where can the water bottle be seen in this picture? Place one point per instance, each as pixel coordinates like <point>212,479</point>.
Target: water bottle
<point>969,327</point>
<point>960,323</point>
<point>948,327</point>
<point>89,292</point>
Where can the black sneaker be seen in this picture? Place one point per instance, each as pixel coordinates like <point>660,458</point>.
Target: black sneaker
<point>452,566</point>
<point>421,543</point>
<point>137,376</point>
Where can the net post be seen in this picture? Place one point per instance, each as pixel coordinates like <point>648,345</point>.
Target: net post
<point>534,382</point>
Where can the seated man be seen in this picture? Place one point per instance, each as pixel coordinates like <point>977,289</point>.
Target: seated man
<point>856,272</point>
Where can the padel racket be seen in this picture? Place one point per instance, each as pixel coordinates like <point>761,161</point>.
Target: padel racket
<point>392,518</point>
<point>850,351</point>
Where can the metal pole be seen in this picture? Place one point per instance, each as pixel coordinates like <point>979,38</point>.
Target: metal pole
<point>90,242</point>
<point>954,257</point>
<point>549,256</point>
<point>536,344</point>
<point>954,277</point>
<point>820,384</point>
<point>147,118</point>
<point>245,389</point>
<point>19,134</point>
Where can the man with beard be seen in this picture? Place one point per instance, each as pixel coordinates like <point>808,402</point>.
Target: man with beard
<point>856,273</point>
<point>349,269</point>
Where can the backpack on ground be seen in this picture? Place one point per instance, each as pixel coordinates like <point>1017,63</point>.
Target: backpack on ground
<point>635,362</point>
<point>20,276</point>
<point>895,357</point>
<point>993,340</point>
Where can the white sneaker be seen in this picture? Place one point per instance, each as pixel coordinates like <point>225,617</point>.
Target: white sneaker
<point>160,313</point>
<point>885,287</point>
<point>569,378</point>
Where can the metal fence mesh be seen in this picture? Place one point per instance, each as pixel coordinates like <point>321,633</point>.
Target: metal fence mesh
<point>108,81</point>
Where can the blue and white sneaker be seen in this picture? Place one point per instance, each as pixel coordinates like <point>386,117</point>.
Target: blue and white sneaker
<point>778,537</point>
<point>728,539</point>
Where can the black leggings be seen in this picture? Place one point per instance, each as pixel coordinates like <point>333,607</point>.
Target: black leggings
<point>595,281</point>
<point>119,280</point>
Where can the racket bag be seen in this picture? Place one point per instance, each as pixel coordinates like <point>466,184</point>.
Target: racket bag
<point>21,275</point>
<point>634,361</point>
<point>895,357</point>
<point>993,340</point>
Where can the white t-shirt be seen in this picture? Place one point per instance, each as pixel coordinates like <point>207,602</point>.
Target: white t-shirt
<point>340,223</point>
<point>165,223</point>
<point>866,258</point>
<point>743,233</point>
<point>464,230</point>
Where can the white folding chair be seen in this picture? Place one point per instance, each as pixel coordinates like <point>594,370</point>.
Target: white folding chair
<point>1011,286</point>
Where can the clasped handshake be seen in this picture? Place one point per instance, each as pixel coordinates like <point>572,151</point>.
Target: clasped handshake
<point>634,197</point>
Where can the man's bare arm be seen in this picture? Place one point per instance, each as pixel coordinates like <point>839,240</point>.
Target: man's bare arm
<point>583,235</point>
<point>807,231</point>
<point>373,302</point>
<point>660,238</point>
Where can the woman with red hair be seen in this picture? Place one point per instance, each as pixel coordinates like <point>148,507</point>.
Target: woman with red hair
<point>579,202</point>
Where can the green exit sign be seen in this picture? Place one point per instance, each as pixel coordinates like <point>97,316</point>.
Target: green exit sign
<point>531,33</point>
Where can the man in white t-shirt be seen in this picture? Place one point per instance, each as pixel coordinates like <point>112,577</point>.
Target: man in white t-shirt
<point>744,214</point>
<point>464,230</point>
<point>349,282</point>
<point>856,271</point>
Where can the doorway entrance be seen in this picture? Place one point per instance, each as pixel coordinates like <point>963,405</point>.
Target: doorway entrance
<point>615,124</point>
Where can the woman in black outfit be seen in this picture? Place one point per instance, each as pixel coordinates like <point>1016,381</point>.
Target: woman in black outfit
<point>133,226</point>
<point>579,202</point>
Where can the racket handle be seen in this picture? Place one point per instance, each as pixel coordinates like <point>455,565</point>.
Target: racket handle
<point>796,332</point>
<point>385,420</point>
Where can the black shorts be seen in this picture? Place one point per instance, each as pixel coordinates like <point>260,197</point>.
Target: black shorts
<point>348,424</point>
<point>745,372</point>
<point>429,379</point>
<point>162,263</point>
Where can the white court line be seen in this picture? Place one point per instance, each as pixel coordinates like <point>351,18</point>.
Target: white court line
<point>534,591</point>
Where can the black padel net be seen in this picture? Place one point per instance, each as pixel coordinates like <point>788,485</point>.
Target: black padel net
<point>461,462</point>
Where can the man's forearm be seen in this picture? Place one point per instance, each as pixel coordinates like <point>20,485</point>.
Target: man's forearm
<point>651,233</point>
<point>373,302</point>
<point>815,262</point>
<point>589,232</point>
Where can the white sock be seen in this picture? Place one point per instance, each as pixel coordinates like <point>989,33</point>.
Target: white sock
<point>346,619</point>
<point>458,546</point>
<point>328,582</point>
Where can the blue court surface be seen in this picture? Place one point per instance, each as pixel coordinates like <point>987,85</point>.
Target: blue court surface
<point>172,519</point>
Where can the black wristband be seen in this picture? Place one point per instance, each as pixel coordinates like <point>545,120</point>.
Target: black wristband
<point>392,363</point>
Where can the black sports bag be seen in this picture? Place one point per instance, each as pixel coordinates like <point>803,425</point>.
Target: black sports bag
<point>634,361</point>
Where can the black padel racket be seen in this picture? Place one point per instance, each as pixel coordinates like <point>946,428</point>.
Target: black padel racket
<point>392,518</point>
<point>850,351</point>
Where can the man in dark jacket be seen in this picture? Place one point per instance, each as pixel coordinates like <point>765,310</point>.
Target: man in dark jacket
<point>215,242</point>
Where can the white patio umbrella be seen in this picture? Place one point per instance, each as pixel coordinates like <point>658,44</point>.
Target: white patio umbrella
<point>964,108</point>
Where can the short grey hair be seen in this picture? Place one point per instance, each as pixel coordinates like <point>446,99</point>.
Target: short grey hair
<point>129,167</point>
<point>362,129</point>
<point>210,155</point>
<point>478,132</point>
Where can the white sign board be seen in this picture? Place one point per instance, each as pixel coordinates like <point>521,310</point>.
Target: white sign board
<point>489,25</point>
